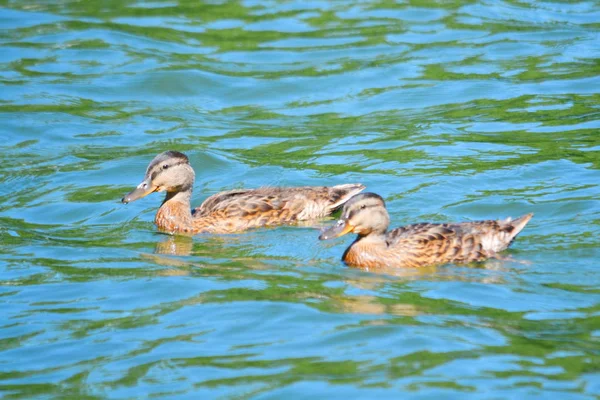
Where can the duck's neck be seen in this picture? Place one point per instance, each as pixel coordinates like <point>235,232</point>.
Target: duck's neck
<point>366,251</point>
<point>175,214</point>
<point>373,236</point>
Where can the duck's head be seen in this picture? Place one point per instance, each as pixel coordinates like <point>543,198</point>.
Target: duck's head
<point>363,214</point>
<point>169,171</point>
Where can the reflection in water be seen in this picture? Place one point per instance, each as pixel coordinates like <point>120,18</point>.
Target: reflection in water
<point>373,305</point>
<point>176,245</point>
<point>183,245</point>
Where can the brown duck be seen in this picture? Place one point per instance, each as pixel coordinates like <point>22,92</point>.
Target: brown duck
<point>234,210</point>
<point>417,245</point>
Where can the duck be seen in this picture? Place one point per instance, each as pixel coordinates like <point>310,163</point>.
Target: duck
<point>417,245</point>
<point>235,210</point>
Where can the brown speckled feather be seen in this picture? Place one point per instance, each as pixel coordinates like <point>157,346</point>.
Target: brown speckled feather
<point>429,244</point>
<point>421,244</point>
<point>238,210</point>
<point>234,210</point>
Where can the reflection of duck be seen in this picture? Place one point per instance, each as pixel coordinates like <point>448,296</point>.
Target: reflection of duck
<point>234,210</point>
<point>420,244</point>
<point>175,245</point>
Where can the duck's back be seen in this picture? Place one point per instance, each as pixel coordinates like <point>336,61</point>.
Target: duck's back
<point>238,210</point>
<point>429,244</point>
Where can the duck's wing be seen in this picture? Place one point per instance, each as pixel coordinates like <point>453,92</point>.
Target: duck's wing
<point>428,244</point>
<point>247,208</point>
<point>221,201</point>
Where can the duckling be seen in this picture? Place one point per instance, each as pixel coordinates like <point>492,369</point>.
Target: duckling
<point>234,210</point>
<point>417,245</point>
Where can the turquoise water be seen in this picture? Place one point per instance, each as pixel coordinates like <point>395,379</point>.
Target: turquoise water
<point>450,110</point>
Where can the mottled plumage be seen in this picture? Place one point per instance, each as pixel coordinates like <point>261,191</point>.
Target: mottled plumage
<point>234,210</point>
<point>417,245</point>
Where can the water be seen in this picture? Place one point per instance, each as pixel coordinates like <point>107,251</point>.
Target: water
<point>452,111</point>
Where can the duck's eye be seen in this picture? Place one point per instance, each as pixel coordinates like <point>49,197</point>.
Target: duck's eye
<point>165,166</point>
<point>362,207</point>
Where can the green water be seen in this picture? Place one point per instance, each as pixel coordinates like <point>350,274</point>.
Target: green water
<point>450,110</point>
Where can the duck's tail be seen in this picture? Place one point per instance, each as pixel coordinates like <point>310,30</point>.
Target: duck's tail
<point>518,224</point>
<point>340,194</point>
<point>506,232</point>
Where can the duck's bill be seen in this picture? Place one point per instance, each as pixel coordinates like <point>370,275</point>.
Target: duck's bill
<point>142,190</point>
<point>337,230</point>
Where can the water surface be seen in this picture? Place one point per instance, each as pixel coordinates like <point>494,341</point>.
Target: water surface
<point>450,110</point>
